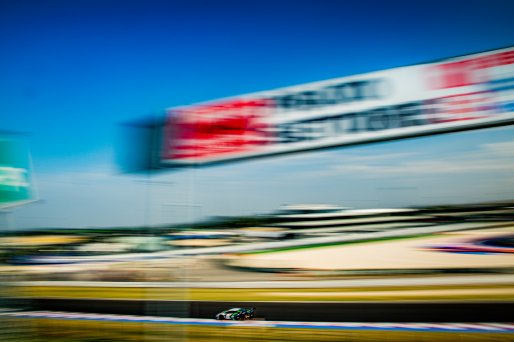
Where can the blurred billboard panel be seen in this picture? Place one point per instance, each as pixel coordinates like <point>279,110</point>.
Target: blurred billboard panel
<point>16,186</point>
<point>455,94</point>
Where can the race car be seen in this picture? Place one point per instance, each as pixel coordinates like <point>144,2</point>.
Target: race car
<point>236,314</point>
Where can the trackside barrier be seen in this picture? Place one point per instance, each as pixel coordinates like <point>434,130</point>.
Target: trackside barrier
<point>428,327</point>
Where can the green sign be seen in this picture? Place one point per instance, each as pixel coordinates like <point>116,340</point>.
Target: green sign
<point>15,175</point>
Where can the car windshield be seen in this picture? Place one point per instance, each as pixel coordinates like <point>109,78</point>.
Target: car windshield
<point>232,310</point>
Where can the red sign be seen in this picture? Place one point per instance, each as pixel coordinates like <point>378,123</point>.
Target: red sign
<point>216,129</point>
<point>469,71</point>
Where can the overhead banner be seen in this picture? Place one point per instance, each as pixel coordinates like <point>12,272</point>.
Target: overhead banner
<point>455,94</point>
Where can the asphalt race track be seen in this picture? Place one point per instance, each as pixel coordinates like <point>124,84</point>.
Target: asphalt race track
<point>294,311</point>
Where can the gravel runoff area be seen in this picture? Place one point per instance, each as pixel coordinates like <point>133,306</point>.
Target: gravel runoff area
<point>410,253</point>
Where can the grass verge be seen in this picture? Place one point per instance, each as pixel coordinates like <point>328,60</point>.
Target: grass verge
<point>393,293</point>
<point>330,244</point>
<point>58,330</point>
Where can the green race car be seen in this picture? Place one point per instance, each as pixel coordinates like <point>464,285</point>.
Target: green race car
<point>236,314</point>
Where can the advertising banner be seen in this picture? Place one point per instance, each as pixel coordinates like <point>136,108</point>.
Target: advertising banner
<point>461,93</point>
<point>15,179</point>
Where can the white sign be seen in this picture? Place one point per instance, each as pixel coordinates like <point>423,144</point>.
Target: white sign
<point>455,94</point>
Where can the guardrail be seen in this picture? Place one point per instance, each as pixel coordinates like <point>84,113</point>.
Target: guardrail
<point>490,279</point>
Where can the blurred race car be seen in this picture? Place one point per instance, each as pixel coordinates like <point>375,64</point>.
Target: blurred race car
<point>237,314</point>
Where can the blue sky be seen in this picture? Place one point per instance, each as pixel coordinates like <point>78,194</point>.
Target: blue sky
<point>71,71</point>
